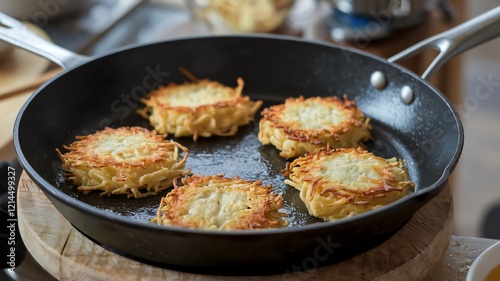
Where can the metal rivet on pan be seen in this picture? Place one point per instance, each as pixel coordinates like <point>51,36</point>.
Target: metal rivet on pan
<point>407,95</point>
<point>377,79</point>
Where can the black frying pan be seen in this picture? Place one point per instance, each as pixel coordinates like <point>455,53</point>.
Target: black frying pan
<point>105,91</point>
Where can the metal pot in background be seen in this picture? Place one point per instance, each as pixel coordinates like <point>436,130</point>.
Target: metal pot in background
<point>352,17</point>
<point>399,9</point>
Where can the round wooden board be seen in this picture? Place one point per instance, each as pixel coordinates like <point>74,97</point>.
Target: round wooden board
<point>65,253</point>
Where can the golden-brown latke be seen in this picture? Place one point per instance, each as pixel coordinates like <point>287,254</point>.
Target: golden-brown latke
<point>343,182</point>
<point>127,160</point>
<point>219,203</point>
<point>200,108</point>
<point>303,125</point>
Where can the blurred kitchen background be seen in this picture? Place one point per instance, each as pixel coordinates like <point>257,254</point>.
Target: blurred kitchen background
<point>477,187</point>
<point>99,26</point>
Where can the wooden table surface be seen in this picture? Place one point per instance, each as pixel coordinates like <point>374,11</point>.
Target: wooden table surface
<point>459,256</point>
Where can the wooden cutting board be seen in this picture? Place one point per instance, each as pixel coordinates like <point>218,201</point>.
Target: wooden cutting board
<point>65,253</point>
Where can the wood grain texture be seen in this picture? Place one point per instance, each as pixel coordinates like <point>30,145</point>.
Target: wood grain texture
<point>410,254</point>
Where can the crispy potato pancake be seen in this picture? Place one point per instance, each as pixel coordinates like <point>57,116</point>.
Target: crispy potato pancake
<point>127,160</point>
<point>343,182</point>
<point>219,203</point>
<point>201,108</point>
<point>303,125</point>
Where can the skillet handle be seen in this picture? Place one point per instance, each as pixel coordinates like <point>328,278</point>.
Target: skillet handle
<point>16,33</point>
<point>456,40</point>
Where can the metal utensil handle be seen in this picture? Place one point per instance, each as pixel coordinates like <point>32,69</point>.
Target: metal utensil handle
<point>456,40</point>
<point>16,33</point>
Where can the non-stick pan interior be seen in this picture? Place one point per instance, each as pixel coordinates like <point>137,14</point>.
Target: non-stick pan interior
<point>106,92</point>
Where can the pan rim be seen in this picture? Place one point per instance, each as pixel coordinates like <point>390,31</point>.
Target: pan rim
<point>116,218</point>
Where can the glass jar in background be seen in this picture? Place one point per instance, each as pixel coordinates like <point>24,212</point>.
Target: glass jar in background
<point>240,16</point>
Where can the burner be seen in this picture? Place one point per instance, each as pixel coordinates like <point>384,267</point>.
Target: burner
<point>352,20</point>
<point>350,27</point>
